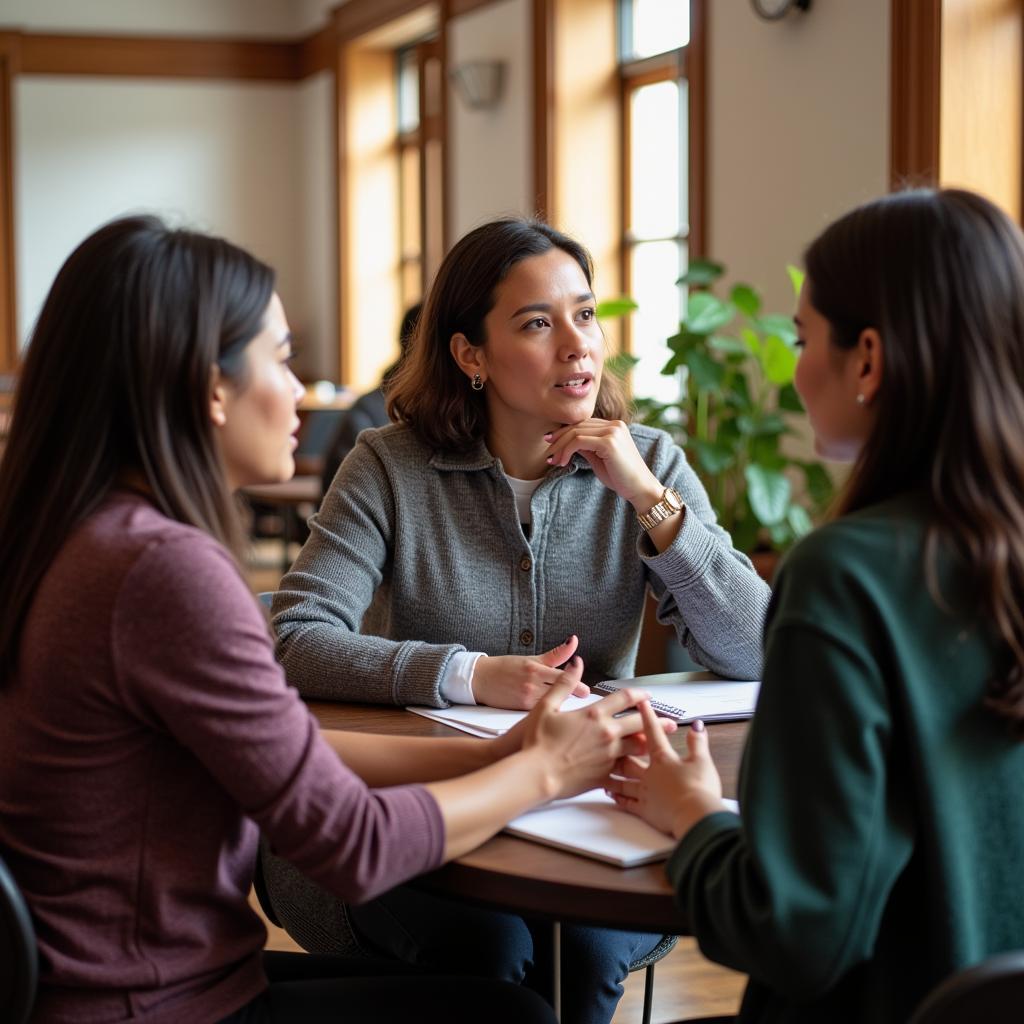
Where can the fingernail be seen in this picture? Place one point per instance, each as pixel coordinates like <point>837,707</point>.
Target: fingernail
<point>697,726</point>
<point>568,638</point>
<point>547,437</point>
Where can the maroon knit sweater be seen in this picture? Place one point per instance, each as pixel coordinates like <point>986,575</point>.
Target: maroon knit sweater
<point>147,733</point>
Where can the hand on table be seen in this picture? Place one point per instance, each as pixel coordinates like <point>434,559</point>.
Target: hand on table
<point>672,793</point>
<point>518,682</point>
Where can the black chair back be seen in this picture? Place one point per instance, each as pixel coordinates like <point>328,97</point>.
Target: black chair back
<point>991,992</point>
<point>19,966</point>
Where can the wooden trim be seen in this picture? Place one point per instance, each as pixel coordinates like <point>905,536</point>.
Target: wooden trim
<point>697,92</point>
<point>9,46</point>
<point>459,7</point>
<point>317,52</point>
<point>444,131</point>
<point>915,83</point>
<point>660,68</point>
<point>341,237</point>
<point>357,17</point>
<point>543,108</point>
<point>163,57</point>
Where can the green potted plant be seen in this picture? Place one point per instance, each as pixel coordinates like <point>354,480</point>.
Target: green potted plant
<point>737,364</point>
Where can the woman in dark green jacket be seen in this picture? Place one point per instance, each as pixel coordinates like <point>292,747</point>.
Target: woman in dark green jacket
<point>882,826</point>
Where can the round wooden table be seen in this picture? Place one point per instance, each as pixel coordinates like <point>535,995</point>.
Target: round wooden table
<point>528,878</point>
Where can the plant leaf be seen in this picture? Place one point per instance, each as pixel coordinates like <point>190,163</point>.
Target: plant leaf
<point>745,533</point>
<point>607,308</point>
<point>705,313</point>
<point>776,323</point>
<point>714,456</point>
<point>746,300</point>
<point>819,483</point>
<point>730,346</point>
<point>620,364</point>
<point>752,340</point>
<point>702,272</point>
<point>796,278</point>
<point>769,493</point>
<point>789,399</point>
<point>706,373</point>
<point>799,521</point>
<point>672,365</point>
<point>778,360</point>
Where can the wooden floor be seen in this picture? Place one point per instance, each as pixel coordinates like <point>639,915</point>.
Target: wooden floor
<point>686,984</point>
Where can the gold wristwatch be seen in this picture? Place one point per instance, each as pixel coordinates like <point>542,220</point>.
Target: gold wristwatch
<point>671,504</point>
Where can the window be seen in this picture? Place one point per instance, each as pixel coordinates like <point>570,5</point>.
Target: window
<point>410,224</point>
<point>659,191</point>
<point>420,170</point>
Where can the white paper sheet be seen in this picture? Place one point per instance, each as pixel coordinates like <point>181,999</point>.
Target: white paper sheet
<point>593,825</point>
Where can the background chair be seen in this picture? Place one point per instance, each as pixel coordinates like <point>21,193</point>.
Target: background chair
<point>991,992</point>
<point>19,964</point>
<point>647,963</point>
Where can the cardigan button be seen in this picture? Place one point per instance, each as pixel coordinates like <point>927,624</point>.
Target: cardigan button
<point>526,638</point>
<point>525,564</point>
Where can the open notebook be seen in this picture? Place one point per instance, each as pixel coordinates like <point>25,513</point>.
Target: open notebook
<point>480,720</point>
<point>713,700</point>
<point>592,825</point>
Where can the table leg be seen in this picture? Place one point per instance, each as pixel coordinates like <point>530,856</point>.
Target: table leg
<point>556,969</point>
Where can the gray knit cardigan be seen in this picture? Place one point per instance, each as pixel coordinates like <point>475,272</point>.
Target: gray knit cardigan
<point>417,554</point>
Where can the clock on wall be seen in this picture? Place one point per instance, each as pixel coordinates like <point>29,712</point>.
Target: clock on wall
<point>772,10</point>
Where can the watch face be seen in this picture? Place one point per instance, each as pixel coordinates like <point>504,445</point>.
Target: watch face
<point>673,499</point>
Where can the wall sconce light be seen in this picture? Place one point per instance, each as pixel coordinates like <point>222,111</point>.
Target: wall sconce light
<point>480,82</point>
<point>773,10</point>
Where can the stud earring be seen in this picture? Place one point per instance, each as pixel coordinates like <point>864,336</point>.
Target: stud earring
<point>477,383</point>
<point>861,399</point>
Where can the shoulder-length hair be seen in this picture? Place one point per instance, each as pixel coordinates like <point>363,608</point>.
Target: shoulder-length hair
<point>940,275</point>
<point>429,391</point>
<point>116,384</point>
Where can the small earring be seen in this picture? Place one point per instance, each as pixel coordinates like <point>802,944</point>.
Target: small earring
<point>477,383</point>
<point>861,399</point>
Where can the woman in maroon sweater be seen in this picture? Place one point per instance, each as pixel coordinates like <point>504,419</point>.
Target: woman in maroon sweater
<point>146,732</point>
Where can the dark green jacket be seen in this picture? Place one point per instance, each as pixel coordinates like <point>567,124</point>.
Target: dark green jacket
<point>882,835</point>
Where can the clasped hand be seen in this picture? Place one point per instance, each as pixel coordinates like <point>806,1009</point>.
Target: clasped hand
<point>670,792</point>
<point>581,747</point>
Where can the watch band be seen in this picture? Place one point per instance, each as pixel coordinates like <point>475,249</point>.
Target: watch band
<point>671,504</point>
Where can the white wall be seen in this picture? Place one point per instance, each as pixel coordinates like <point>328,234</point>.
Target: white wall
<point>220,157</point>
<point>799,130</point>
<point>491,156</point>
<point>180,17</point>
<point>314,319</point>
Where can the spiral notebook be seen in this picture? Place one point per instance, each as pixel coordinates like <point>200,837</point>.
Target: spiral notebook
<point>711,700</point>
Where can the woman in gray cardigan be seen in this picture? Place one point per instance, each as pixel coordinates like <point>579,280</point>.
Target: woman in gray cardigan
<point>508,521</point>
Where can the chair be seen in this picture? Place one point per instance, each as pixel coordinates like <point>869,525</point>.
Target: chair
<point>991,992</point>
<point>647,963</point>
<point>19,962</point>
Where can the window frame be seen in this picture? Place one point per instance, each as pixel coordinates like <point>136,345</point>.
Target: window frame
<point>684,64</point>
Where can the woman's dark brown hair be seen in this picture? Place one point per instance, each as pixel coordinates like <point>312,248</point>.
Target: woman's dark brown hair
<point>940,275</point>
<point>429,391</point>
<point>116,387</point>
